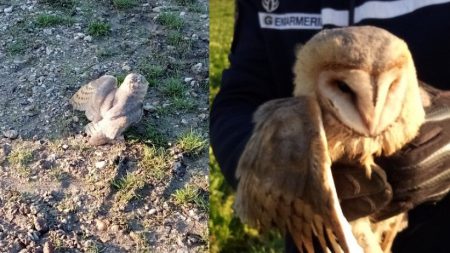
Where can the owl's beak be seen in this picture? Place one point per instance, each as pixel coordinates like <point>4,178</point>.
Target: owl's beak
<point>370,119</point>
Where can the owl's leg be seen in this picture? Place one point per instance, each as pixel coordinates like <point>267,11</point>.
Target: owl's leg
<point>363,233</point>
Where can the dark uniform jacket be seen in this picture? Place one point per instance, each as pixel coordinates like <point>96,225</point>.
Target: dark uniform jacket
<point>266,35</point>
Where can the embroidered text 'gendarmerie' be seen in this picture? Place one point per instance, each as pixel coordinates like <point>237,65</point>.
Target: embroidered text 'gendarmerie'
<point>288,21</point>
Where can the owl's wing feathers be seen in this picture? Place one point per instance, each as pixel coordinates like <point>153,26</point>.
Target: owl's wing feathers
<point>95,97</point>
<point>285,177</point>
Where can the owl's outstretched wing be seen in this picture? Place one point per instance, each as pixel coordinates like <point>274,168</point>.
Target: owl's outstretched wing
<point>95,97</point>
<point>285,177</point>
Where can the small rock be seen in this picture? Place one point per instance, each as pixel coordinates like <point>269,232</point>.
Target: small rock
<point>8,10</point>
<point>157,9</point>
<point>150,108</point>
<point>179,169</point>
<point>48,50</point>
<point>152,211</point>
<point>65,146</point>
<point>40,224</point>
<point>100,164</point>
<point>29,108</point>
<point>188,79</point>
<point>48,247</point>
<point>126,67</point>
<point>88,38</point>
<point>5,149</point>
<point>44,164</point>
<point>114,228</point>
<point>75,119</point>
<point>193,239</point>
<point>101,225</point>
<point>11,134</point>
<point>135,236</point>
<point>183,13</point>
<point>197,68</point>
<point>184,121</point>
<point>48,31</point>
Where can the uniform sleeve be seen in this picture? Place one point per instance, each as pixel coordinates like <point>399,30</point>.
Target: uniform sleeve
<point>245,85</point>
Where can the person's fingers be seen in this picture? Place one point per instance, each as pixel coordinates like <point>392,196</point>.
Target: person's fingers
<point>355,208</point>
<point>352,182</point>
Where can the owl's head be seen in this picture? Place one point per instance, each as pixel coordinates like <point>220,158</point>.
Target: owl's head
<point>135,84</point>
<point>363,76</point>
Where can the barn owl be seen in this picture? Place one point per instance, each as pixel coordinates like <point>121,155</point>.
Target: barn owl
<point>110,109</point>
<point>356,96</point>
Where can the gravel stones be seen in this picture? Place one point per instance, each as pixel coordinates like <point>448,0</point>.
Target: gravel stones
<point>11,134</point>
<point>40,224</point>
<point>8,9</point>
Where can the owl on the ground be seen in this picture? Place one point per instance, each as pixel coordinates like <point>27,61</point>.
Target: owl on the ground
<point>110,109</point>
<point>356,97</point>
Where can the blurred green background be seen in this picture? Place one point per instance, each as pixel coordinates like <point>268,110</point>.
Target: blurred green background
<point>227,234</point>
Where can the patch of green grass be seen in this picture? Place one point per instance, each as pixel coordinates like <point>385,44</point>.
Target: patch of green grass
<point>120,78</point>
<point>98,29</point>
<point>155,162</point>
<point>154,136</point>
<point>45,20</point>
<point>175,38</point>
<point>55,239</point>
<point>197,7</point>
<point>221,34</point>
<point>20,157</point>
<point>185,2</point>
<point>124,4</point>
<point>173,87</point>
<point>17,47</point>
<point>190,194</point>
<point>202,201</point>
<point>94,247</point>
<point>149,134</point>
<point>163,110</point>
<point>183,104</point>
<point>58,175</point>
<point>170,20</point>
<point>66,4</point>
<point>185,195</point>
<point>192,142</point>
<point>151,72</point>
<point>105,53</point>
<point>127,187</point>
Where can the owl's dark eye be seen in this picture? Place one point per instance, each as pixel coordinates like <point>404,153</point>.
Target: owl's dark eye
<point>342,86</point>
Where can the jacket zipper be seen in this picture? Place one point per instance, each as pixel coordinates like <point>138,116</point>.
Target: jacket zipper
<point>351,13</point>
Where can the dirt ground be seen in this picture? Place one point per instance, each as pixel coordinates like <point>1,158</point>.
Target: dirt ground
<point>148,193</point>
